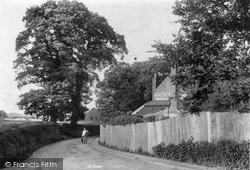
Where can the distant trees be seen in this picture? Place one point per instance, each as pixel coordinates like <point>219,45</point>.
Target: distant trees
<point>93,115</point>
<point>61,47</point>
<point>212,53</point>
<point>126,87</point>
<point>3,114</point>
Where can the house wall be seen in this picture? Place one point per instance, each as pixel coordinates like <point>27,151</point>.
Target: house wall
<point>204,127</point>
<point>165,90</point>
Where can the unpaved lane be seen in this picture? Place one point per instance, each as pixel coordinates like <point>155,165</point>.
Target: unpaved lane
<point>77,156</point>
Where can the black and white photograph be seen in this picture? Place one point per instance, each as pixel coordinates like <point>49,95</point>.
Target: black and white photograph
<point>125,84</point>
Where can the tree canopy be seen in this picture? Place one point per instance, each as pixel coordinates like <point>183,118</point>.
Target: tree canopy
<point>211,52</point>
<point>61,47</point>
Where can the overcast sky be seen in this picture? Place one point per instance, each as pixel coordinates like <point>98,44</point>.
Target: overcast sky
<point>141,22</point>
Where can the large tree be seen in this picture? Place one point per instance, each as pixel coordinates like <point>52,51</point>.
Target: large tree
<point>61,47</point>
<point>212,48</point>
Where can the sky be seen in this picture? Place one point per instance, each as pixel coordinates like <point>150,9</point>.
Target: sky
<point>142,22</point>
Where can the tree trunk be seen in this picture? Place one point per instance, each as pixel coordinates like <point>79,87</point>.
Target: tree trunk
<point>74,118</point>
<point>53,115</point>
<point>53,118</point>
<point>77,99</point>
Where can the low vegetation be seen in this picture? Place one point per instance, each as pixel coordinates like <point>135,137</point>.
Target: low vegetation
<point>223,153</point>
<point>137,151</point>
<point>132,119</point>
<point>10,125</point>
<point>18,141</point>
<point>126,120</point>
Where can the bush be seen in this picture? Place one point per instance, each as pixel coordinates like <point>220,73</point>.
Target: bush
<point>126,120</point>
<point>139,150</point>
<point>21,141</point>
<point>223,153</point>
<point>150,119</point>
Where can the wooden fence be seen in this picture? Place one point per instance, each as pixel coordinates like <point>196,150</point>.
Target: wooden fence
<point>206,126</point>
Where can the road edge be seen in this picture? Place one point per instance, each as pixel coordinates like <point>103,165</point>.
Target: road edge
<point>152,160</point>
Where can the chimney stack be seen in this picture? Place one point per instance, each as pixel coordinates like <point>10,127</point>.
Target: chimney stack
<point>153,86</point>
<point>173,73</point>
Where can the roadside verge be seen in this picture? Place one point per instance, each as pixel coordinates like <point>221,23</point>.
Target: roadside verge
<point>152,160</point>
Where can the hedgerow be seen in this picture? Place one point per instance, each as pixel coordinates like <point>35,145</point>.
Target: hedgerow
<point>20,141</point>
<point>131,119</point>
<point>223,153</point>
<point>76,131</point>
<point>126,120</point>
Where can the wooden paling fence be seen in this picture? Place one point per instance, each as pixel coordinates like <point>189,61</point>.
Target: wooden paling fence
<point>206,126</point>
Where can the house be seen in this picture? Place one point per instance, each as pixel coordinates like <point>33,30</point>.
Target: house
<point>164,99</point>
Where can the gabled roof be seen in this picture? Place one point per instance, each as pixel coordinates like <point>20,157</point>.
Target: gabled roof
<point>153,107</point>
<point>158,103</point>
<point>161,98</point>
<point>150,110</point>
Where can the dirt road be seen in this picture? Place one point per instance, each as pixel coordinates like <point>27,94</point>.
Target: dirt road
<point>78,156</point>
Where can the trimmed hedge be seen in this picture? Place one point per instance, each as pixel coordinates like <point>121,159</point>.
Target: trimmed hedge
<point>223,153</point>
<point>126,120</point>
<point>131,119</point>
<point>20,142</point>
<point>76,131</point>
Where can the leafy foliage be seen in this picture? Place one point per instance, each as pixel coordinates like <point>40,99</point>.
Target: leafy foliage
<point>127,87</point>
<point>16,144</point>
<point>126,120</point>
<point>154,118</point>
<point>229,96</point>
<point>211,49</point>
<point>3,114</point>
<point>150,119</point>
<point>61,47</point>
<point>118,90</point>
<point>223,153</point>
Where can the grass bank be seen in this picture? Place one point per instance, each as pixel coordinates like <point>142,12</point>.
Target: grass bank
<point>19,140</point>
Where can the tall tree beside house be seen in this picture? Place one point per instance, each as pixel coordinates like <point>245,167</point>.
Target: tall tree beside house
<point>61,47</point>
<point>127,87</point>
<point>211,52</point>
<point>118,91</point>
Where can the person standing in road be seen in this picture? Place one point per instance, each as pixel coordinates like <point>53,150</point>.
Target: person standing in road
<point>84,137</point>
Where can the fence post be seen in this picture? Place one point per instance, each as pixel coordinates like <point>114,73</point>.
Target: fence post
<point>209,126</point>
<point>133,140</point>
